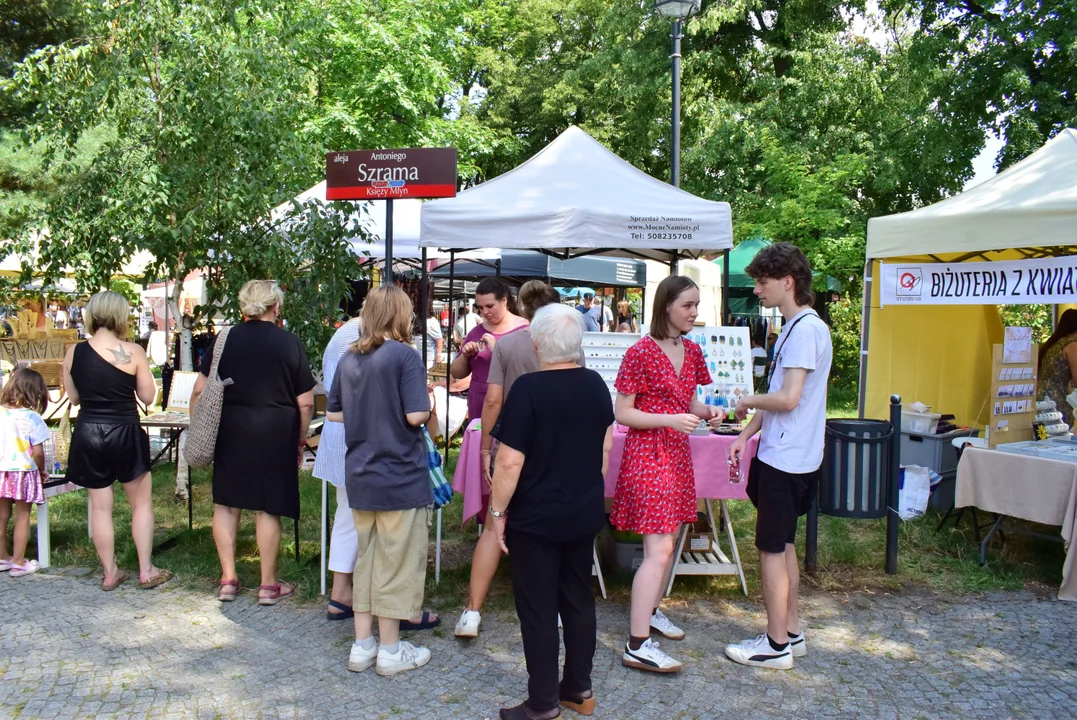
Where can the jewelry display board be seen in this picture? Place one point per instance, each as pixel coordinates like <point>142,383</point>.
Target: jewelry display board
<point>1013,395</point>
<point>604,353</point>
<point>728,354</point>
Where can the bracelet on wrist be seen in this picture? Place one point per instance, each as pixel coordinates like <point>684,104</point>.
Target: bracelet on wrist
<point>486,452</point>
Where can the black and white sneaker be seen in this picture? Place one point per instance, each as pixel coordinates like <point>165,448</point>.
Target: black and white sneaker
<point>797,645</point>
<point>757,652</point>
<point>650,658</point>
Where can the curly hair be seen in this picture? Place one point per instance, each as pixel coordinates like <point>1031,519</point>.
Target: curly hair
<point>782,260</point>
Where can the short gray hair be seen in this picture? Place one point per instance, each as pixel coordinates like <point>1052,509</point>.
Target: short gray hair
<point>557,331</point>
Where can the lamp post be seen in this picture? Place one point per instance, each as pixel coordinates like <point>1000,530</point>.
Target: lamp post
<point>678,11</point>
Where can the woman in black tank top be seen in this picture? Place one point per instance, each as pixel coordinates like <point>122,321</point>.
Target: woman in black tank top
<point>103,376</point>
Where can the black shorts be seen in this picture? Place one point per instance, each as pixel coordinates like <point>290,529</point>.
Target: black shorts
<point>779,498</point>
<point>102,453</point>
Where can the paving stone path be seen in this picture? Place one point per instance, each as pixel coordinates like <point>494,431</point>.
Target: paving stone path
<point>67,650</point>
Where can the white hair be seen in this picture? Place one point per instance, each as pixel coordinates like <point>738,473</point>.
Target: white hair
<point>557,331</point>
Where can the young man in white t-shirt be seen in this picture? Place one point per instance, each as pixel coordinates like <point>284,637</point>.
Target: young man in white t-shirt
<point>784,475</point>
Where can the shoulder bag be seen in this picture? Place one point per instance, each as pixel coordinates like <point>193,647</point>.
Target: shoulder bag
<point>206,414</point>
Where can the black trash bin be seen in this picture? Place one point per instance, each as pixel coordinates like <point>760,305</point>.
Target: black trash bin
<point>856,468</point>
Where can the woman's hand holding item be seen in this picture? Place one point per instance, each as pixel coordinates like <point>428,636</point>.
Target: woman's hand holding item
<point>683,422</point>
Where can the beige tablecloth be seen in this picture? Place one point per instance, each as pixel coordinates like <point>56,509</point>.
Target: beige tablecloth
<point>1030,488</point>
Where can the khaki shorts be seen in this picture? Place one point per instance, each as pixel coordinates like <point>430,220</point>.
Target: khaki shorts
<point>390,572</point>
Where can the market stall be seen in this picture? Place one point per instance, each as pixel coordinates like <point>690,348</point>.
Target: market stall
<point>926,270</point>
<point>576,198</point>
<point>932,332</point>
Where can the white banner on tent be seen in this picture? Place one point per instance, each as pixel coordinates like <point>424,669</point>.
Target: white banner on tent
<point>1007,282</point>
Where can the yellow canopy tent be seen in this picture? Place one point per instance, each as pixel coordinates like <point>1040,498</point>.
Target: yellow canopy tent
<point>928,338</point>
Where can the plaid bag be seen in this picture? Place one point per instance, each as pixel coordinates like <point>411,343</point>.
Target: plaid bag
<point>441,487</point>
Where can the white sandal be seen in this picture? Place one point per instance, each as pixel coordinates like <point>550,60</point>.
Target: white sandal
<point>28,567</point>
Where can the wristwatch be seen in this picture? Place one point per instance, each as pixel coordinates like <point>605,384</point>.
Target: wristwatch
<point>497,514</point>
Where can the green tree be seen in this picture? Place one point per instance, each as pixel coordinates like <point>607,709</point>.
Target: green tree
<point>1015,63</point>
<point>196,106</point>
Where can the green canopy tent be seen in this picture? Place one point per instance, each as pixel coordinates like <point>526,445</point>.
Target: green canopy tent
<point>742,299</point>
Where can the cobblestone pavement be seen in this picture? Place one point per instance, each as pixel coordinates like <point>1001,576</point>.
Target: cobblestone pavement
<point>69,650</point>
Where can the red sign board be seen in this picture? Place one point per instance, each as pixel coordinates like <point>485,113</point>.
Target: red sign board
<point>390,174</point>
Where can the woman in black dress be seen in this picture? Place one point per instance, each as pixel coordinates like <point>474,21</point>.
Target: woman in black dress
<point>264,421</point>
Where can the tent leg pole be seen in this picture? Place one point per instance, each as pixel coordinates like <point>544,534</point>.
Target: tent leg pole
<point>448,355</point>
<point>725,288</point>
<point>322,559</point>
<point>425,312</point>
<point>865,328</point>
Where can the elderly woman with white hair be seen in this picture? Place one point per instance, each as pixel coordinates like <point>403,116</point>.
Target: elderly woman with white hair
<point>547,506</point>
<point>264,421</point>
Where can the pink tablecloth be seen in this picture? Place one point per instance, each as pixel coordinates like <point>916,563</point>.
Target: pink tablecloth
<point>709,454</point>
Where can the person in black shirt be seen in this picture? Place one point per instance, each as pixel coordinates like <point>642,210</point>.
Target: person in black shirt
<point>547,506</point>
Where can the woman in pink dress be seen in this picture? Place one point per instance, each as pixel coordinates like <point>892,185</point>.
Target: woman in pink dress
<point>499,318</point>
<point>656,489</point>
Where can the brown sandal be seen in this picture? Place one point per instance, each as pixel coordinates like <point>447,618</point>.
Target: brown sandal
<point>580,704</point>
<point>227,590</point>
<point>160,578</point>
<point>109,587</point>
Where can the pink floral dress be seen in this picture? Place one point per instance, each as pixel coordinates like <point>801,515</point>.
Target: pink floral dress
<point>656,487</point>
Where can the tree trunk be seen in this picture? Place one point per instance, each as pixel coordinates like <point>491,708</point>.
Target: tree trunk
<point>183,327</point>
<point>183,479</point>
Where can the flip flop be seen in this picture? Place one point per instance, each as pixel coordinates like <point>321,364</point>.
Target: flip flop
<point>160,578</point>
<point>227,590</point>
<point>425,624</point>
<point>344,614</point>
<point>280,592</point>
<point>121,576</point>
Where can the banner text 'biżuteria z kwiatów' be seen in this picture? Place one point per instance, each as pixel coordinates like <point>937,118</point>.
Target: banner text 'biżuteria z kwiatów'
<point>1007,282</point>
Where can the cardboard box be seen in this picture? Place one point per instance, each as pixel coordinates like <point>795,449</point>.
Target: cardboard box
<point>699,537</point>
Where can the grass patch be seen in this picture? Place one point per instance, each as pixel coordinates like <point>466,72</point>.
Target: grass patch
<point>851,553</point>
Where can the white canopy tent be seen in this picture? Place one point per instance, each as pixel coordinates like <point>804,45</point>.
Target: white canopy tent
<point>575,197</point>
<point>1028,212</point>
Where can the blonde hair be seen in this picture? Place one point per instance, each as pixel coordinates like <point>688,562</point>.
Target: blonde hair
<point>387,315</point>
<point>257,297</point>
<point>108,310</point>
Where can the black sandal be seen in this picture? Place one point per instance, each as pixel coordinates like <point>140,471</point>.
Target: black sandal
<point>344,614</point>
<point>424,624</point>
<point>582,704</point>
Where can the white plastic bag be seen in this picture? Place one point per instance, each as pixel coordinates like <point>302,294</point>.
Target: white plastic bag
<point>915,490</point>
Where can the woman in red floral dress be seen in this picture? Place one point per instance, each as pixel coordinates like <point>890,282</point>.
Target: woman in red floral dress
<point>656,489</point>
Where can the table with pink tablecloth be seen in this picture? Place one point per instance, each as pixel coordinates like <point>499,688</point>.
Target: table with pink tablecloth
<point>709,453</point>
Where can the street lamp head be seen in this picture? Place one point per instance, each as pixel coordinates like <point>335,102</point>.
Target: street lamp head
<point>676,9</point>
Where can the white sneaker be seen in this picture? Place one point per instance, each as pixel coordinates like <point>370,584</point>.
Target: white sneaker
<point>360,659</point>
<point>649,657</point>
<point>661,625</point>
<point>798,645</point>
<point>407,657</point>
<point>757,652</point>
<point>468,626</point>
